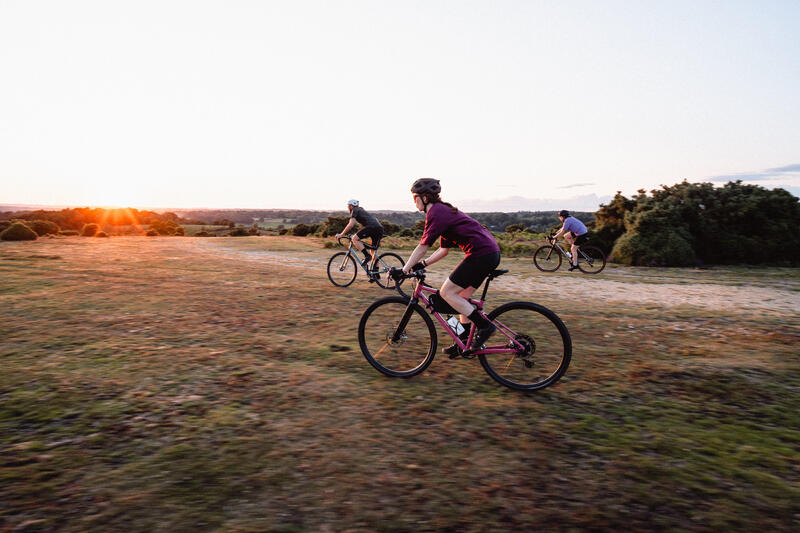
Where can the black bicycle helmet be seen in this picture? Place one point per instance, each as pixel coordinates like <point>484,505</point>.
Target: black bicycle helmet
<point>563,213</point>
<point>426,186</point>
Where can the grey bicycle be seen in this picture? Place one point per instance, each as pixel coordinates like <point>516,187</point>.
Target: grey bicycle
<point>343,266</point>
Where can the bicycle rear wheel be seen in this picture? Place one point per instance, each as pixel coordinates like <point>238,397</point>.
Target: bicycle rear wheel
<point>396,337</point>
<point>342,269</point>
<point>591,259</point>
<point>543,353</point>
<point>386,262</point>
<point>547,258</point>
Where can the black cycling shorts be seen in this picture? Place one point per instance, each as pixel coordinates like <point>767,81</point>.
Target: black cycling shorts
<point>473,270</point>
<point>580,239</point>
<point>376,234</point>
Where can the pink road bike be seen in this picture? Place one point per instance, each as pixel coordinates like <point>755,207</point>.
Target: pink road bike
<point>530,350</point>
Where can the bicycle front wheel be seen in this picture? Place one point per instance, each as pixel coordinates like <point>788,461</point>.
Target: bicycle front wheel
<point>342,269</point>
<point>397,337</point>
<point>386,262</point>
<point>541,351</point>
<point>591,259</point>
<point>547,258</point>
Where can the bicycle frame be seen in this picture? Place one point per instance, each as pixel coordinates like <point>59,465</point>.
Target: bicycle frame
<point>352,252</point>
<point>419,295</point>
<point>560,247</point>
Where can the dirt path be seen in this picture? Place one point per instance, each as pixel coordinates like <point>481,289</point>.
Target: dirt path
<point>684,287</point>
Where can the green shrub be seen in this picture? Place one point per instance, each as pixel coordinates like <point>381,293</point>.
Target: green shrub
<point>90,230</point>
<point>152,233</point>
<point>18,232</point>
<point>330,244</point>
<point>301,230</point>
<point>515,228</point>
<point>238,232</point>
<point>101,234</point>
<point>4,224</point>
<point>202,233</point>
<point>253,231</point>
<point>43,227</point>
<point>69,232</point>
<point>283,231</point>
<point>180,231</point>
<point>657,248</point>
<point>165,227</point>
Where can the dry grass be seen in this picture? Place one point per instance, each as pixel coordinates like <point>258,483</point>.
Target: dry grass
<point>189,384</point>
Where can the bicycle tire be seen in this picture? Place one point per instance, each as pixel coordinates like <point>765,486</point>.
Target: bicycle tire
<point>344,269</point>
<point>413,352</point>
<point>591,259</point>
<point>547,339</point>
<point>545,257</point>
<point>387,261</point>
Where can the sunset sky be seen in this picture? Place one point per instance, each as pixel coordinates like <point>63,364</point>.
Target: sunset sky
<point>305,104</point>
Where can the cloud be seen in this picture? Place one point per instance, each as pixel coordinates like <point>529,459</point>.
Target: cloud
<point>586,202</point>
<point>791,172</point>
<point>787,168</point>
<point>576,185</point>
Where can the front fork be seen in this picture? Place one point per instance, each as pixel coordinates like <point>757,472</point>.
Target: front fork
<point>401,327</point>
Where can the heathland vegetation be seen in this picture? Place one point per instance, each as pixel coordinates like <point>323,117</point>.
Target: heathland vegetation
<point>680,225</point>
<point>186,384</point>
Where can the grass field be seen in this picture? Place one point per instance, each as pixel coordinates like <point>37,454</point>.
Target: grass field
<point>189,384</point>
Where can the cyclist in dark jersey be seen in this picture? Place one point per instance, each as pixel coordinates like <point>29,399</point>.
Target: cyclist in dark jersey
<point>371,228</point>
<point>481,256</point>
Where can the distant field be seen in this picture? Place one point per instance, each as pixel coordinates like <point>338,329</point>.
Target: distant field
<point>190,384</point>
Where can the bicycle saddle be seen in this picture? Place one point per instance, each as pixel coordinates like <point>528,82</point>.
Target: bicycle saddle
<point>497,273</point>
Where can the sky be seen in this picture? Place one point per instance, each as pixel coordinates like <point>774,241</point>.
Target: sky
<point>513,105</point>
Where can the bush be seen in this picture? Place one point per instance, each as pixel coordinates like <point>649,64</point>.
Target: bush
<point>101,234</point>
<point>390,228</point>
<point>238,232</point>
<point>658,248</point>
<point>4,224</point>
<point>90,230</point>
<point>152,233</point>
<point>180,231</point>
<point>253,231</point>
<point>43,227</point>
<point>301,230</point>
<point>283,231</point>
<point>166,227</point>
<point>18,232</point>
<point>515,228</point>
<point>69,232</point>
<point>202,233</point>
<point>330,244</point>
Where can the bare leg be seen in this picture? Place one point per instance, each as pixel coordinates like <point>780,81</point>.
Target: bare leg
<point>457,297</point>
<point>573,247</point>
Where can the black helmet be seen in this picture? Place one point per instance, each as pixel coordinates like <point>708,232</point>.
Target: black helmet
<point>426,186</point>
<point>563,213</point>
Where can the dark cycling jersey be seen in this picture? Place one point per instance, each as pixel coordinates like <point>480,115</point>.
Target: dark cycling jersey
<point>364,218</point>
<point>457,229</point>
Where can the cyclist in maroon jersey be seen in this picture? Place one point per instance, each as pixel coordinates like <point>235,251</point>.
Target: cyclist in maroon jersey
<point>482,255</point>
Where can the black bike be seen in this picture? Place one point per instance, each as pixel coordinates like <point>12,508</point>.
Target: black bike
<point>591,259</point>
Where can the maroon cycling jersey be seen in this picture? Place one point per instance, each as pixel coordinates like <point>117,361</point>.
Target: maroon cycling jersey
<point>457,229</point>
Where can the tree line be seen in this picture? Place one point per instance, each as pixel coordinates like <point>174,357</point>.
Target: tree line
<point>679,225</point>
